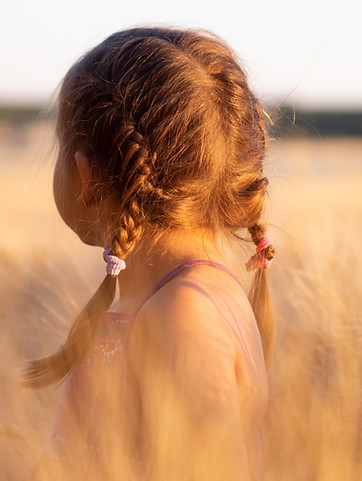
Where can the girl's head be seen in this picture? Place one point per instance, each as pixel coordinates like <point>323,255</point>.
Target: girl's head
<point>177,136</point>
<point>174,134</point>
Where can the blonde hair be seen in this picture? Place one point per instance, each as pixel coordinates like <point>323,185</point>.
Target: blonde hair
<point>179,138</point>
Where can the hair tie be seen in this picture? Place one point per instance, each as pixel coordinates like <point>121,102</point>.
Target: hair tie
<point>258,260</point>
<point>114,264</point>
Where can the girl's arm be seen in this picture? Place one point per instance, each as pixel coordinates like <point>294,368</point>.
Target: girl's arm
<point>183,359</point>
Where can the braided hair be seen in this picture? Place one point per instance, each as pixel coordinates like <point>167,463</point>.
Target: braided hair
<point>169,119</point>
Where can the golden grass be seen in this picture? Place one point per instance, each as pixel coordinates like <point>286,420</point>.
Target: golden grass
<point>314,423</point>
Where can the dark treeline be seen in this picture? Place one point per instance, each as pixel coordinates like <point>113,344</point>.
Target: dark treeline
<point>21,115</point>
<point>287,122</point>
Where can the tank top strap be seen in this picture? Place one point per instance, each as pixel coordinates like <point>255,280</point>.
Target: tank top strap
<point>176,271</point>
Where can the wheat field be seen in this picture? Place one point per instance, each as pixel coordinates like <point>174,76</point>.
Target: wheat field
<point>313,429</point>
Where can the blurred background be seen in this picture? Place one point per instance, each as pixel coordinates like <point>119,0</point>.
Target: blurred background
<point>304,62</point>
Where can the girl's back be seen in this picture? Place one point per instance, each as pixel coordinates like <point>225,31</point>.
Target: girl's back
<point>191,336</point>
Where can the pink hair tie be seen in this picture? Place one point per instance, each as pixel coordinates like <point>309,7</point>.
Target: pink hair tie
<point>114,264</point>
<point>258,260</point>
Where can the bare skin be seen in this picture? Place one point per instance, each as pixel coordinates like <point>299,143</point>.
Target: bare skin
<point>198,388</point>
<point>199,365</point>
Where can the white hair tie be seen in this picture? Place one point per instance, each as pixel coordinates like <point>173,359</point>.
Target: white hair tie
<point>114,264</point>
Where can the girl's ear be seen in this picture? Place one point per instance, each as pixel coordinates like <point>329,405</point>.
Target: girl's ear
<point>90,179</point>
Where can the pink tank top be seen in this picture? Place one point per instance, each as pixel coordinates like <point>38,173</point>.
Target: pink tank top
<point>176,271</point>
<point>75,400</point>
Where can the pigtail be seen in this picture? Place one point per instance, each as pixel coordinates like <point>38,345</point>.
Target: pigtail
<point>259,295</point>
<point>56,367</point>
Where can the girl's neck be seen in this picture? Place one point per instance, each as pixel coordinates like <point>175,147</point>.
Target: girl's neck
<point>152,260</point>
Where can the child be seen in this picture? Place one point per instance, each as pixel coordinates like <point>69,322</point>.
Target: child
<point>161,157</point>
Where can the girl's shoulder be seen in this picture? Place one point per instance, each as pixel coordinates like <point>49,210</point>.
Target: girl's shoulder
<point>204,305</point>
<point>199,335</point>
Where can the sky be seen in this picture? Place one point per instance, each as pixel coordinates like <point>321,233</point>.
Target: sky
<point>307,51</point>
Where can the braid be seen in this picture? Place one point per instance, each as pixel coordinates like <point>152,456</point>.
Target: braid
<point>259,295</point>
<point>135,176</point>
<point>257,232</point>
<point>56,367</point>
<point>130,231</point>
